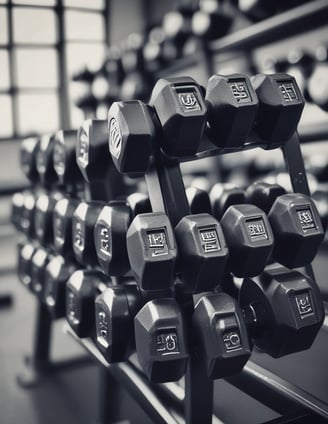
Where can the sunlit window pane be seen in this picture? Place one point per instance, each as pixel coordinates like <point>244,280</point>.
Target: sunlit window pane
<point>84,26</point>
<point>4,69</point>
<point>3,26</point>
<point>6,127</point>
<point>91,4</point>
<point>34,26</point>
<point>36,2</point>
<point>81,55</point>
<point>37,67</point>
<point>38,113</point>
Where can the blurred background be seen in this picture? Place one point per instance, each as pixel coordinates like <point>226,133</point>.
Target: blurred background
<point>62,61</point>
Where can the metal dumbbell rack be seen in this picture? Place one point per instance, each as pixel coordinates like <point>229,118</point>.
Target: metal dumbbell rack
<point>169,403</point>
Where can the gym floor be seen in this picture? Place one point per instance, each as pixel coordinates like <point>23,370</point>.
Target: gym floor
<point>71,396</point>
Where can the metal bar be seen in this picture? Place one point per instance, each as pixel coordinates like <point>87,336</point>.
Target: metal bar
<point>295,165</point>
<point>64,101</point>
<point>109,397</point>
<point>42,337</point>
<point>313,132</point>
<point>275,392</point>
<point>278,27</point>
<point>166,190</point>
<point>12,66</point>
<point>198,393</point>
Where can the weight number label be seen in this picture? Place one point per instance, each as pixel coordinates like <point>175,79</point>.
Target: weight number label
<point>306,219</point>
<point>188,101</point>
<point>304,304</point>
<point>157,243</point>
<point>167,343</point>
<point>287,89</point>
<point>240,91</point>
<point>115,138</point>
<point>209,240</point>
<point>256,229</point>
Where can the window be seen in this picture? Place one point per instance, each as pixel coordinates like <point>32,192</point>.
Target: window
<point>32,61</point>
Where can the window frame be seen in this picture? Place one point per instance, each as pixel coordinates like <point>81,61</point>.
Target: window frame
<point>62,91</point>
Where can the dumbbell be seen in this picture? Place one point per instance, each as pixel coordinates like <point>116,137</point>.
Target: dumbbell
<point>232,107</point>
<point>272,104</point>
<point>220,335</point>
<point>81,290</point>
<point>224,195</point>
<point>181,111</point>
<point>110,232</point>
<point>294,220</point>
<point>101,178</point>
<point>57,273</point>
<point>115,309</point>
<point>297,229</point>
<point>26,251</point>
<point>202,252</point>
<point>22,212</point>
<point>64,160</point>
<point>263,195</point>
<point>43,216</point>
<point>17,204</point>
<point>44,161</point>
<point>131,134</point>
<point>198,199</point>
<point>39,261</point>
<point>283,310</point>
<point>249,237</point>
<point>83,221</point>
<point>28,152</point>
<point>280,107</point>
<point>62,225</point>
<point>211,21</point>
<point>159,327</point>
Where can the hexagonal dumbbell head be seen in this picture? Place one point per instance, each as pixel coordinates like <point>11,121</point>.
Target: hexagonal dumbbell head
<point>62,225</point>
<point>25,253</point>
<point>220,334</point>
<point>17,204</point>
<point>110,238</point>
<point>263,195</point>
<point>57,272</point>
<point>81,290</point>
<point>152,250</point>
<point>43,216</point>
<point>92,149</point>
<point>116,308</point>
<point>160,340</point>
<point>40,260</point>
<point>232,106</point>
<point>222,196</point>
<point>83,222</point>
<point>138,203</point>
<point>132,132</point>
<point>27,224</point>
<point>280,107</point>
<point>249,237</point>
<point>203,252</point>
<point>297,229</point>
<point>198,200</point>
<point>180,107</point>
<point>28,153</point>
<point>291,310</point>
<point>64,157</point>
<point>44,161</point>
